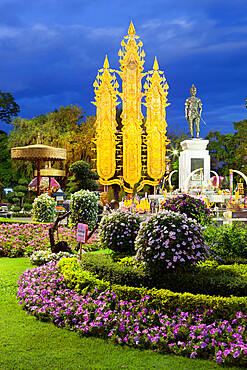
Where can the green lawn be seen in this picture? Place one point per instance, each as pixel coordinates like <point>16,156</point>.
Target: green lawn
<point>26,343</point>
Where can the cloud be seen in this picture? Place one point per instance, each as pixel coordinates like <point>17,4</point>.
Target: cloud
<point>51,51</point>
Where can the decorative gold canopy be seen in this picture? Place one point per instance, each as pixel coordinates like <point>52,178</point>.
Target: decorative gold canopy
<point>37,153</point>
<point>132,155</point>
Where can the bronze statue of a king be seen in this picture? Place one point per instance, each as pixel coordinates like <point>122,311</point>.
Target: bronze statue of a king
<point>193,111</point>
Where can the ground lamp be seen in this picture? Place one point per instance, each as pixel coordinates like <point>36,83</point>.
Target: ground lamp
<point>59,196</point>
<point>38,153</point>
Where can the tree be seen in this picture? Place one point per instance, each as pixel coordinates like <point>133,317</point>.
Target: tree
<point>241,145</point>
<point>8,107</point>
<point>222,149</point>
<point>6,173</point>
<point>83,178</point>
<point>63,128</point>
<point>20,197</point>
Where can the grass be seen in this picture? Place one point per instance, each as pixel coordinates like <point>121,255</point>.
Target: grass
<point>26,343</point>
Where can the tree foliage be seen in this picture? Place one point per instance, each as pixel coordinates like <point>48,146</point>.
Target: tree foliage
<point>63,128</point>
<point>222,148</point>
<point>8,107</point>
<point>6,173</point>
<point>228,151</point>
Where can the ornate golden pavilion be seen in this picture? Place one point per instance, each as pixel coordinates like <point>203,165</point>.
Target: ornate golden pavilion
<point>136,155</point>
<point>38,153</point>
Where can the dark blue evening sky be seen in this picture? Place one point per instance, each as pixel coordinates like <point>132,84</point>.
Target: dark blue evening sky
<point>50,51</point>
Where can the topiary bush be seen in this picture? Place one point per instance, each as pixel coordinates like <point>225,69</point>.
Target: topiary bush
<point>118,230</point>
<point>44,208</point>
<point>169,240</point>
<point>192,207</point>
<point>27,207</point>
<point>84,208</point>
<point>16,208</point>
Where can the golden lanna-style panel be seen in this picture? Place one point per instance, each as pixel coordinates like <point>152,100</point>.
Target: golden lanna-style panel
<point>134,147</point>
<point>106,100</point>
<point>156,102</point>
<point>131,65</point>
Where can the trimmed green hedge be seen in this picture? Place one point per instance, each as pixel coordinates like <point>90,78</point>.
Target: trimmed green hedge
<point>162,300</point>
<point>205,279</point>
<point>103,266</point>
<point>79,280</point>
<point>15,221</point>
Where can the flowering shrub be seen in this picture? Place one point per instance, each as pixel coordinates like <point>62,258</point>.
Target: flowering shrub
<point>44,208</point>
<point>84,207</point>
<point>192,207</point>
<point>39,258</point>
<point>18,240</point>
<point>43,293</point>
<point>118,230</point>
<point>169,240</point>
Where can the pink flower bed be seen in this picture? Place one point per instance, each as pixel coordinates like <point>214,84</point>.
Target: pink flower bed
<point>17,240</point>
<point>43,293</point>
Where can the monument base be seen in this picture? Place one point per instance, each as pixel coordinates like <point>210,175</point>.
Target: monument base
<point>193,157</point>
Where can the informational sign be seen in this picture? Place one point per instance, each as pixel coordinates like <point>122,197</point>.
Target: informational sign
<point>82,231</point>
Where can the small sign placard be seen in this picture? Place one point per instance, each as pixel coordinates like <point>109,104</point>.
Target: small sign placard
<point>82,230</point>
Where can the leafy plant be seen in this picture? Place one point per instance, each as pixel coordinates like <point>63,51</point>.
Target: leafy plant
<point>226,242</point>
<point>44,208</point>
<point>110,194</point>
<point>39,258</point>
<point>118,230</point>
<point>121,194</point>
<point>84,207</point>
<point>192,207</point>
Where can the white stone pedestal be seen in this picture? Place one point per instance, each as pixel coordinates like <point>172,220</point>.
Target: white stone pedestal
<point>194,156</point>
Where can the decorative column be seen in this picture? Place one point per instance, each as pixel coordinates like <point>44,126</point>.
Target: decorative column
<point>106,100</point>
<point>156,103</point>
<point>131,61</point>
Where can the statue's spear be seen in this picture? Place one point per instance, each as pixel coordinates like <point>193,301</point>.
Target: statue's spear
<point>201,119</point>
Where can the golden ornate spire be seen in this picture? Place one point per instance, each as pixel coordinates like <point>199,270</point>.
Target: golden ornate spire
<point>131,61</point>
<point>156,102</point>
<point>106,100</point>
<point>133,146</point>
<point>156,65</point>
<point>131,30</point>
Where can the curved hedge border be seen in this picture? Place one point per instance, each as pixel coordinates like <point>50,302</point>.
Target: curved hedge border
<point>161,300</point>
<point>16,221</point>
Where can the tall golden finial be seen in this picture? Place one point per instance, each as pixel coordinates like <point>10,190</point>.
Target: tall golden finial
<point>106,63</point>
<point>131,30</point>
<point>156,65</point>
<point>38,138</point>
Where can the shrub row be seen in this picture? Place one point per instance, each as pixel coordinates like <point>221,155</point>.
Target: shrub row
<point>222,280</point>
<point>13,221</point>
<point>162,300</point>
<point>102,266</point>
